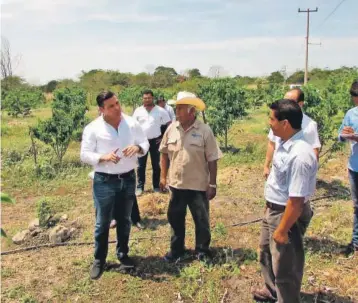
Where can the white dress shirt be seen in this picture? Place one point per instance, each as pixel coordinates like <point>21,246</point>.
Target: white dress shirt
<point>310,133</point>
<point>170,112</point>
<point>151,121</point>
<point>100,138</point>
<point>293,173</point>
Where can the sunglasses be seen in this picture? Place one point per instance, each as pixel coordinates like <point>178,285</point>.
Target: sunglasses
<point>354,94</point>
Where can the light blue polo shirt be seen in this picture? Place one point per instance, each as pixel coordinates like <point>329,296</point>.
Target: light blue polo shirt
<point>351,119</point>
<point>293,173</point>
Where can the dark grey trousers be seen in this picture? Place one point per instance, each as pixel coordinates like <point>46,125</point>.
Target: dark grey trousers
<point>282,265</point>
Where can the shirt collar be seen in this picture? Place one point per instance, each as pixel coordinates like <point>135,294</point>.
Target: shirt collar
<point>288,144</point>
<point>194,125</point>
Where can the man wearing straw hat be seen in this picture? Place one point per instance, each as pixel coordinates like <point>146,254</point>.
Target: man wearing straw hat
<point>192,150</point>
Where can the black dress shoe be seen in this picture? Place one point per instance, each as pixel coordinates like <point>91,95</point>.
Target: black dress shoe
<point>97,269</point>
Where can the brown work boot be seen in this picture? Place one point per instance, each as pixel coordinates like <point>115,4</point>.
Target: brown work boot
<point>263,295</point>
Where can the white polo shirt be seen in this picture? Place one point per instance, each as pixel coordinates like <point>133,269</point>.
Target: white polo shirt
<point>294,170</point>
<point>100,138</point>
<point>151,122</point>
<point>310,133</point>
<point>170,111</point>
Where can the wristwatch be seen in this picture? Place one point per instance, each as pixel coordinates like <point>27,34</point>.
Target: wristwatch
<point>213,185</point>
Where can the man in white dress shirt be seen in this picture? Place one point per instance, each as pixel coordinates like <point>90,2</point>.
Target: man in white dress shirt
<point>153,120</point>
<point>309,128</point>
<point>111,144</point>
<point>163,104</point>
<point>290,184</point>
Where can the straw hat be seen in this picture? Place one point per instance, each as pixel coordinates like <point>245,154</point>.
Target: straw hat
<point>190,99</point>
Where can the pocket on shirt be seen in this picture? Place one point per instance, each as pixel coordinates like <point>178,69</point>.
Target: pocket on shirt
<point>196,145</point>
<point>172,144</point>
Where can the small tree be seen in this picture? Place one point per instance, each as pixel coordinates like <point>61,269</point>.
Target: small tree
<point>68,115</point>
<point>225,103</point>
<point>21,101</point>
<point>322,111</point>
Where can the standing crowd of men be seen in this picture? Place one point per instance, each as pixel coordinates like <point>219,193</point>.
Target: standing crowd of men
<point>184,155</point>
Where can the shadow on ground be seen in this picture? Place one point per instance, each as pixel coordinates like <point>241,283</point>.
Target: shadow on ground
<point>333,190</point>
<point>322,245</point>
<point>155,268</point>
<point>321,297</point>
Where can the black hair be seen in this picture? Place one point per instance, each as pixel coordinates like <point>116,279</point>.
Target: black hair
<point>148,92</point>
<point>103,96</point>
<point>288,110</point>
<point>354,89</point>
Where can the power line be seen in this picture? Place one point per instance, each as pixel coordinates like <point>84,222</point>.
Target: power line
<point>330,14</point>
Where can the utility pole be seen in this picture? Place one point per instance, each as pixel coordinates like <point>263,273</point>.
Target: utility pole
<point>308,11</point>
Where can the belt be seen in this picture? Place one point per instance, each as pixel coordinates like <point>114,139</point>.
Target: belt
<point>275,206</point>
<point>116,176</point>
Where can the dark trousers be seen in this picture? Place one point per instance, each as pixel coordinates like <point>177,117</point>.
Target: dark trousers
<point>135,212</point>
<point>199,208</point>
<point>142,161</point>
<point>282,264</point>
<point>112,197</point>
<point>353,179</point>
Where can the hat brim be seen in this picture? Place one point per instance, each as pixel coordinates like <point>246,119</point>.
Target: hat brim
<point>196,102</point>
<point>171,102</point>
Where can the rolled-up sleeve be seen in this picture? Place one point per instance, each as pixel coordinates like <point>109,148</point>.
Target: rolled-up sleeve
<point>299,181</point>
<point>88,147</point>
<point>140,139</point>
<point>212,150</point>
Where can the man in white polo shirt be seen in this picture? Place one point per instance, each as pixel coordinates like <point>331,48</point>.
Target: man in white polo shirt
<point>153,120</point>
<point>111,144</point>
<point>309,128</point>
<point>289,186</point>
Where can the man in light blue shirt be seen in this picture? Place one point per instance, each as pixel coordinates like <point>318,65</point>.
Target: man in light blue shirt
<point>290,184</point>
<point>349,131</point>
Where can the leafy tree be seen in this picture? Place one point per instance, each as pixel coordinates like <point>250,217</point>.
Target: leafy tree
<point>276,77</point>
<point>132,96</point>
<point>68,115</point>
<point>164,76</point>
<point>51,86</point>
<point>21,101</point>
<point>225,103</point>
<point>322,110</point>
<point>194,73</point>
<point>296,77</point>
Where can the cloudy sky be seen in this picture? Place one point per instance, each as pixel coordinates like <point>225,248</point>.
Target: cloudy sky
<point>60,38</point>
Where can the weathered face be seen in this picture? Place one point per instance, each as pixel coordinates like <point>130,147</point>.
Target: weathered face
<point>278,127</point>
<point>111,108</point>
<point>183,114</point>
<point>148,101</point>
